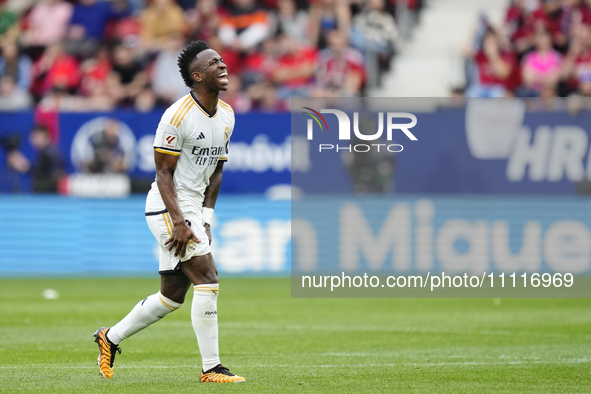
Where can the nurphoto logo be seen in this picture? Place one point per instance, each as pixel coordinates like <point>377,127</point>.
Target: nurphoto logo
<point>344,132</point>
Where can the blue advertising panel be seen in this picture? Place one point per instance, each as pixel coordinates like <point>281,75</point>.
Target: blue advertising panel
<point>486,146</point>
<point>414,234</point>
<point>260,148</point>
<point>53,235</point>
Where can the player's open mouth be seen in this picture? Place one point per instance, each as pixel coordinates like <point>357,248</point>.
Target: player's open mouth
<point>223,77</point>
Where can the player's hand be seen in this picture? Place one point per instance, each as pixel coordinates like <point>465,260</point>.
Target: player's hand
<point>208,231</point>
<point>181,235</point>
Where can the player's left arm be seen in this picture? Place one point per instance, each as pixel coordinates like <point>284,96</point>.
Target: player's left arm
<point>211,195</point>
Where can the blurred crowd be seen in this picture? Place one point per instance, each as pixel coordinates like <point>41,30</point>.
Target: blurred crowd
<point>543,49</point>
<point>97,55</point>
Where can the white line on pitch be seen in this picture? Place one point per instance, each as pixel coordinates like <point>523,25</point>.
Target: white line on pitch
<point>441,364</point>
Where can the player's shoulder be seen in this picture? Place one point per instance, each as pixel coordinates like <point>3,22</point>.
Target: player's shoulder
<point>177,112</point>
<point>223,106</point>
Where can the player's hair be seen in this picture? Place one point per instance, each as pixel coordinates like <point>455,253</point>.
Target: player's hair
<point>187,57</point>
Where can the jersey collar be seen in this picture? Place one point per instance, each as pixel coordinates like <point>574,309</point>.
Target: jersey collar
<point>211,115</point>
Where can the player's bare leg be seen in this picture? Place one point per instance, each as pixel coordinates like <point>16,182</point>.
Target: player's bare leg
<point>202,272</point>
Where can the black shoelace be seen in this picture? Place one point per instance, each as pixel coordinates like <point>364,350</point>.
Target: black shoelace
<point>114,350</point>
<point>223,370</point>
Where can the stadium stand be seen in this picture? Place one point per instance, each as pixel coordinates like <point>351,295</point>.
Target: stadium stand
<point>99,55</point>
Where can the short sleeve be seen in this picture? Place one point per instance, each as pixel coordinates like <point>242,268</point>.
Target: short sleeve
<point>226,154</point>
<point>168,139</point>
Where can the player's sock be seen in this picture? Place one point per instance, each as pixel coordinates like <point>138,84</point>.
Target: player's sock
<point>204,315</point>
<point>146,312</point>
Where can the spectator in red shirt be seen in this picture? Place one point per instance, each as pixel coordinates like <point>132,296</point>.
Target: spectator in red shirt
<point>55,68</point>
<point>576,71</point>
<point>497,69</point>
<point>245,27</point>
<point>340,66</point>
<point>259,65</point>
<point>520,23</point>
<point>94,82</point>
<point>204,20</point>
<point>295,68</point>
<point>553,17</point>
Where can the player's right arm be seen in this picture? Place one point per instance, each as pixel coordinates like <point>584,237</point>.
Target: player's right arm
<point>168,145</point>
<point>181,232</point>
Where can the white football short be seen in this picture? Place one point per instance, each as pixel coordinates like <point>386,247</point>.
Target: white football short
<point>160,225</point>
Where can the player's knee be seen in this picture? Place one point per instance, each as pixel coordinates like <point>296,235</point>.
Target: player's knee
<point>211,276</point>
<point>176,295</point>
<point>175,291</point>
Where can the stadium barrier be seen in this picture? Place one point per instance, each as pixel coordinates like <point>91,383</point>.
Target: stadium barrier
<point>51,235</point>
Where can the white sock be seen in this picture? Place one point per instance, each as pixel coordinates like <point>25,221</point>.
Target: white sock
<point>204,315</point>
<point>146,312</point>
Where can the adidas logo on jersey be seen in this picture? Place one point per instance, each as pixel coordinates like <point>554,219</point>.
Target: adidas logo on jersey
<point>201,136</point>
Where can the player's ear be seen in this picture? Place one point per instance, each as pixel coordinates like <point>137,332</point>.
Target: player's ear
<point>196,76</point>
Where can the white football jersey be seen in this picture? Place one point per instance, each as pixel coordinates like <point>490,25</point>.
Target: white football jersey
<point>200,139</point>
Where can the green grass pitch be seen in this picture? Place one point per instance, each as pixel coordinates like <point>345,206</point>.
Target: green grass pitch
<point>284,345</point>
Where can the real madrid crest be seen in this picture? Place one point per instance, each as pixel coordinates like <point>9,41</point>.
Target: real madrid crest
<point>226,133</point>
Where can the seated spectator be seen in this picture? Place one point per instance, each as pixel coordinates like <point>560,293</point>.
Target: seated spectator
<point>109,156</point>
<point>12,97</point>
<point>93,15</point>
<point>541,68</point>
<point>76,43</point>
<point>583,7</point>
<point>295,68</point>
<point>326,16</point>
<point>48,167</point>
<point>289,21</point>
<point>15,65</point>
<point>265,98</point>
<point>554,18</point>
<point>9,27</point>
<point>259,65</point>
<point>159,22</point>
<point>204,20</point>
<point>13,174</point>
<point>520,23</point>
<point>128,77</point>
<point>340,66</point>
<point>496,69</point>
<point>168,85</point>
<point>576,70</point>
<point>126,30</point>
<point>374,33</point>
<point>47,23</point>
<point>246,26</point>
<point>146,100</point>
<point>94,83</point>
<point>55,68</point>
<point>59,99</point>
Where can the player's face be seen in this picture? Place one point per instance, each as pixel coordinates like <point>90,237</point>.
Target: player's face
<point>211,70</point>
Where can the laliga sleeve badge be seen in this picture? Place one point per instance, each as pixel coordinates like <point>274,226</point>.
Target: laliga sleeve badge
<point>170,141</point>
